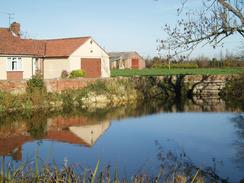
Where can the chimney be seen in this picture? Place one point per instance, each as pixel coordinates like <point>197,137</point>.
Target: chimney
<point>15,28</point>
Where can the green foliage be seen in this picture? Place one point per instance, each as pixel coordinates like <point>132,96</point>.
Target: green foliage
<point>99,87</point>
<point>113,87</point>
<point>36,99</point>
<point>72,98</point>
<point>36,124</point>
<point>214,63</point>
<point>68,97</point>
<point>36,82</point>
<point>233,93</point>
<point>33,99</point>
<point>36,91</point>
<point>9,102</point>
<point>94,175</point>
<point>77,74</point>
<point>185,171</point>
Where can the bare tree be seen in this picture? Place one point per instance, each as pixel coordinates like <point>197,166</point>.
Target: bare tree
<point>215,21</point>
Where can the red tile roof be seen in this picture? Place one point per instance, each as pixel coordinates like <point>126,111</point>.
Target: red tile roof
<point>12,45</point>
<point>63,47</point>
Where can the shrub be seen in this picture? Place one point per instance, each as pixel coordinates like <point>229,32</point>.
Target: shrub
<point>10,102</point>
<point>99,87</point>
<point>36,82</point>
<point>233,92</point>
<point>77,74</point>
<point>64,74</point>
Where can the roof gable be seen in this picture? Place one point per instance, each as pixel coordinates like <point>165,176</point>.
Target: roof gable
<point>90,44</point>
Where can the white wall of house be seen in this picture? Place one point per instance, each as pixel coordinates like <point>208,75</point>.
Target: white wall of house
<point>3,68</point>
<point>53,67</point>
<point>90,49</point>
<point>26,66</point>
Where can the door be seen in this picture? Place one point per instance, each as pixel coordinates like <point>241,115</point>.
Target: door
<point>92,67</point>
<point>135,63</point>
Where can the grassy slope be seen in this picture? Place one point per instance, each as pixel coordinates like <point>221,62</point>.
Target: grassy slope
<point>160,72</point>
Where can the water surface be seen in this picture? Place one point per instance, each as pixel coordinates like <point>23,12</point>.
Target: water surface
<point>128,137</point>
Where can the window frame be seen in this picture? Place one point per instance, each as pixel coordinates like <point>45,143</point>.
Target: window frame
<point>11,67</point>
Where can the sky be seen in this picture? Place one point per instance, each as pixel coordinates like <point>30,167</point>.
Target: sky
<point>117,25</point>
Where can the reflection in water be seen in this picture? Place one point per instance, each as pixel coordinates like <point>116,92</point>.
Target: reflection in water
<point>239,144</point>
<point>85,128</point>
<point>75,130</point>
<point>179,164</point>
<point>90,133</point>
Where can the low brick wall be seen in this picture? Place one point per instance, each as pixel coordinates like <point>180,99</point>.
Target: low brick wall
<point>14,87</point>
<point>54,85</point>
<point>60,85</point>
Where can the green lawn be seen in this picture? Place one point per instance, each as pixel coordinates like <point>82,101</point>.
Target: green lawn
<point>175,71</point>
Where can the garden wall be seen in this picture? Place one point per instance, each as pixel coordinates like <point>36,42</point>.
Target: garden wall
<point>19,86</point>
<point>60,85</point>
<point>15,87</point>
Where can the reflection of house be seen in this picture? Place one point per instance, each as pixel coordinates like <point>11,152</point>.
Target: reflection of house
<point>126,60</point>
<point>21,58</point>
<point>75,130</point>
<point>13,146</point>
<point>90,133</point>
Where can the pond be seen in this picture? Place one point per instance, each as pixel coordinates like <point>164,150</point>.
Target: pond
<point>130,137</point>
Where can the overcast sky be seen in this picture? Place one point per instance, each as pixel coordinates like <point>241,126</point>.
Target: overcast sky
<point>117,25</point>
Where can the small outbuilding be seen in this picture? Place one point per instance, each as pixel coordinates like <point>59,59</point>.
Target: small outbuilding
<point>126,60</point>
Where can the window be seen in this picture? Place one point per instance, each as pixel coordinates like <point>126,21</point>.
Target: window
<point>14,64</point>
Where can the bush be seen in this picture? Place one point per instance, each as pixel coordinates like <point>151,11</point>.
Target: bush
<point>77,74</point>
<point>64,74</point>
<point>233,92</point>
<point>35,83</point>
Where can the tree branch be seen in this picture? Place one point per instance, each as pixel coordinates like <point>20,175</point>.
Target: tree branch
<point>233,10</point>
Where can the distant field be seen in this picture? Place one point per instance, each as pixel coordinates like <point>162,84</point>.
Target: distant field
<point>174,71</point>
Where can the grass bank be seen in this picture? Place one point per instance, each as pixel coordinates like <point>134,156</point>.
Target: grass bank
<point>176,71</point>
